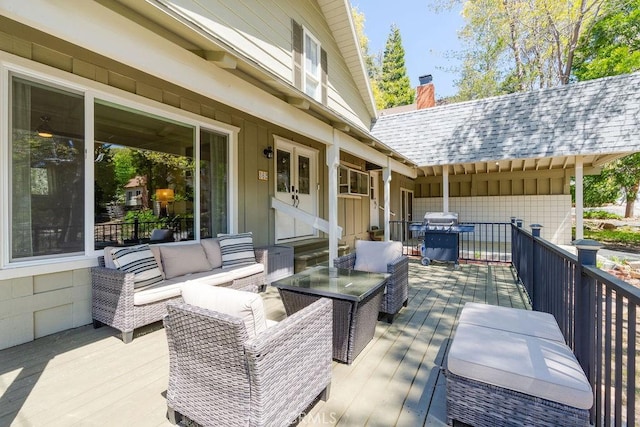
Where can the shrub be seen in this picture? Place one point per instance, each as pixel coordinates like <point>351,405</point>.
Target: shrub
<point>599,214</point>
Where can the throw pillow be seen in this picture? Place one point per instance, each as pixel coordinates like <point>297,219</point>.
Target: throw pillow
<point>236,249</point>
<point>246,305</point>
<point>140,261</point>
<point>183,259</point>
<point>212,250</point>
<point>373,256</point>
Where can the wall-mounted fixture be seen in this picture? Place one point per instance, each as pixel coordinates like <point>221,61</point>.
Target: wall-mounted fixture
<point>44,130</point>
<point>268,152</point>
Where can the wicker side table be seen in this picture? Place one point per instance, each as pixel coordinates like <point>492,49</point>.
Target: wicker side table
<point>279,262</point>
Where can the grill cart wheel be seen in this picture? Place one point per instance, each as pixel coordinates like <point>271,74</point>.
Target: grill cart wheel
<point>425,261</point>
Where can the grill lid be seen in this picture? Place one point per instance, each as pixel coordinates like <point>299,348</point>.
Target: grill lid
<point>441,218</point>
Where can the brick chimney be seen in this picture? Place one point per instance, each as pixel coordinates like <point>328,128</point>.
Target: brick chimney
<point>426,93</point>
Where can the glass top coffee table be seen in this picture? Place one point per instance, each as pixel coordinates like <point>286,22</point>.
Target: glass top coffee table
<point>356,299</point>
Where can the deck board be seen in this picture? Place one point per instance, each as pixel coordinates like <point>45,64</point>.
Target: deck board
<point>86,376</point>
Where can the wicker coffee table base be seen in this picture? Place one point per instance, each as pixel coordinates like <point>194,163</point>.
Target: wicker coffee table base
<point>354,324</point>
<point>481,404</point>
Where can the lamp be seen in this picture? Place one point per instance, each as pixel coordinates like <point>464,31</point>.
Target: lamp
<point>44,130</point>
<point>268,152</point>
<point>164,195</point>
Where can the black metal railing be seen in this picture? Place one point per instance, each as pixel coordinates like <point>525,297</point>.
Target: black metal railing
<point>133,232</point>
<point>597,313</point>
<point>489,242</point>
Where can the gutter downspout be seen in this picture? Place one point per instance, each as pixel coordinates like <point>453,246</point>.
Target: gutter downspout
<point>333,162</point>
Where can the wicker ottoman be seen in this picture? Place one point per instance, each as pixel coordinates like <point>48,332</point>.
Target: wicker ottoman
<point>503,378</point>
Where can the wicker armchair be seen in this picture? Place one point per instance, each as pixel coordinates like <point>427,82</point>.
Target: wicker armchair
<point>220,376</point>
<point>397,287</point>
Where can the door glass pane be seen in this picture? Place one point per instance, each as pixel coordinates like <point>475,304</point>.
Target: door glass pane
<point>144,177</point>
<point>283,167</point>
<point>213,184</point>
<point>47,170</point>
<point>303,175</point>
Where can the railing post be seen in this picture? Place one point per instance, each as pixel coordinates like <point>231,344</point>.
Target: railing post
<point>519,223</point>
<point>536,288</point>
<point>585,305</point>
<point>535,229</point>
<point>136,227</point>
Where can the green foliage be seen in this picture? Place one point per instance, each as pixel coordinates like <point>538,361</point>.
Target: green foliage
<point>620,236</point>
<point>600,215</point>
<point>144,215</point>
<point>371,61</point>
<point>394,84</point>
<point>612,47</point>
<point>598,190</point>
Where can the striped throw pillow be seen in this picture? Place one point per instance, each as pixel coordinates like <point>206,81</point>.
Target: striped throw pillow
<point>140,261</point>
<point>236,249</point>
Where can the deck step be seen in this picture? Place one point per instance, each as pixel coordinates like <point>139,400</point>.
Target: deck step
<point>313,254</point>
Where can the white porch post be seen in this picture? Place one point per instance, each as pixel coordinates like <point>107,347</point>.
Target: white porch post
<point>445,189</point>
<point>579,198</point>
<point>386,176</point>
<point>333,161</point>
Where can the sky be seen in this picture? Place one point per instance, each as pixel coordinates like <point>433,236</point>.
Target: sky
<point>426,37</point>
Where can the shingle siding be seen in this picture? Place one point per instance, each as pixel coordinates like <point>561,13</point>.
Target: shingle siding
<point>595,117</point>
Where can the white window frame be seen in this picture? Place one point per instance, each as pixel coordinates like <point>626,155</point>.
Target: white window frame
<point>92,91</point>
<point>308,74</point>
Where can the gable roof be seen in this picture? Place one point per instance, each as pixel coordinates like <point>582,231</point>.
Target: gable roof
<point>596,118</point>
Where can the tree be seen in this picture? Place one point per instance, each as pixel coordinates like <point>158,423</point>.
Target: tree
<point>394,84</point>
<point>613,45</point>
<point>612,48</point>
<point>371,61</point>
<point>528,43</point>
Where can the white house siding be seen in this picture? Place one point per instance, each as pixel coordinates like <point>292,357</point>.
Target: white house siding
<point>35,306</point>
<point>261,30</point>
<point>553,212</point>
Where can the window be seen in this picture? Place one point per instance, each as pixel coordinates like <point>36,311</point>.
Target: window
<point>354,182</point>
<point>310,64</point>
<point>46,170</point>
<point>143,165</point>
<point>312,70</point>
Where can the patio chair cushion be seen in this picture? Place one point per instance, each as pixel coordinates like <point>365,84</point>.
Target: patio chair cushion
<point>246,305</point>
<point>236,249</point>
<point>212,250</point>
<point>183,259</point>
<point>524,363</point>
<point>535,323</point>
<point>373,256</point>
<point>140,261</point>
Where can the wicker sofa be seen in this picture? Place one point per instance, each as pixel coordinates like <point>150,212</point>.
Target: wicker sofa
<point>230,366</point>
<point>125,301</point>
<point>382,257</point>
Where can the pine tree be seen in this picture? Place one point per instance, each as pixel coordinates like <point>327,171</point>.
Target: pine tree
<point>394,83</point>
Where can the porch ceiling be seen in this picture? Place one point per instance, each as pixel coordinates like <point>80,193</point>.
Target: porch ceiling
<point>592,165</point>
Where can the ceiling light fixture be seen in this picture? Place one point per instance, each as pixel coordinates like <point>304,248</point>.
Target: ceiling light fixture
<point>44,130</point>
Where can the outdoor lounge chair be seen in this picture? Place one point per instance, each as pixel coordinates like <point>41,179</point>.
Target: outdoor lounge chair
<point>382,257</point>
<point>229,370</point>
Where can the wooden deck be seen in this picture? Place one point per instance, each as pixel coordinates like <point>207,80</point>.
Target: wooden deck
<point>88,377</point>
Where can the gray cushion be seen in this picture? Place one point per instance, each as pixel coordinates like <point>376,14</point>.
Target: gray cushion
<point>140,261</point>
<point>236,249</point>
<point>212,250</point>
<point>178,260</point>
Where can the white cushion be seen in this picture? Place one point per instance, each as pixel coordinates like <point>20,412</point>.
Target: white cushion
<point>534,323</point>
<point>534,366</point>
<point>236,249</point>
<point>158,292</point>
<point>373,256</point>
<point>178,260</point>
<point>246,305</point>
<point>212,250</point>
<point>138,260</point>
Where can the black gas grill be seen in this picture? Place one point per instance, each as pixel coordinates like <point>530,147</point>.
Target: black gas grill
<point>441,230</point>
